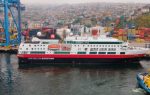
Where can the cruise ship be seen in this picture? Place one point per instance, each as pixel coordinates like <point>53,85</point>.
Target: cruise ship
<point>79,49</point>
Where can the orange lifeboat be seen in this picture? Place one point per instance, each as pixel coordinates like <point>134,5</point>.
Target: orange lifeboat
<point>54,46</point>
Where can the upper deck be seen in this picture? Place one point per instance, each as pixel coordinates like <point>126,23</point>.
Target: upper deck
<point>91,40</point>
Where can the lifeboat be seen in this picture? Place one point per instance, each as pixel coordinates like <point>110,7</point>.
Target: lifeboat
<point>54,46</point>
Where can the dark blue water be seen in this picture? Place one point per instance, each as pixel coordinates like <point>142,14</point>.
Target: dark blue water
<point>48,80</point>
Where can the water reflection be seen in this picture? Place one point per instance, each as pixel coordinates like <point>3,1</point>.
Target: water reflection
<point>9,73</point>
<point>6,74</point>
<point>68,80</point>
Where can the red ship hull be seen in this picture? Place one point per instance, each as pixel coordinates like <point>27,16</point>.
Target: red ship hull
<point>79,58</point>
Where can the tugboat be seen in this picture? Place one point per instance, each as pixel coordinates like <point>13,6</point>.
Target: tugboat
<point>143,81</point>
<point>93,48</point>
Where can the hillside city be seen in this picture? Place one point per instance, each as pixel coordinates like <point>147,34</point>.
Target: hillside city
<point>83,14</point>
<point>122,21</point>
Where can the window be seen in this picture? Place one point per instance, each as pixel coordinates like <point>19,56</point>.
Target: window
<point>81,52</point>
<point>122,52</point>
<point>102,49</point>
<point>86,49</point>
<point>111,52</point>
<point>93,52</point>
<point>79,49</point>
<point>94,49</point>
<point>111,49</point>
<point>101,52</point>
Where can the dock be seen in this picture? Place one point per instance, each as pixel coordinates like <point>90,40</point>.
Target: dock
<point>12,50</point>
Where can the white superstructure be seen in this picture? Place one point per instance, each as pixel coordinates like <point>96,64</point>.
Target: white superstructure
<point>79,45</point>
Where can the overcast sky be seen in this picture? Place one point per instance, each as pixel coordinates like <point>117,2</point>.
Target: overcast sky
<point>80,1</point>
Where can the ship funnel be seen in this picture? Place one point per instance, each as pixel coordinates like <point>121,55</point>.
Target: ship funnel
<point>95,31</point>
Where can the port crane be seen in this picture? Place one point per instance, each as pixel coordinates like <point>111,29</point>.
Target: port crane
<point>10,8</point>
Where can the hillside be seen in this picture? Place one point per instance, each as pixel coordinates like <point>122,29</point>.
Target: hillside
<point>142,21</point>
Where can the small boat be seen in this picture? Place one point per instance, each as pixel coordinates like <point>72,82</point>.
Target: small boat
<point>142,81</point>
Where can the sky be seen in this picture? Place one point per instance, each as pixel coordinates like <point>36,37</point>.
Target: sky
<point>80,1</point>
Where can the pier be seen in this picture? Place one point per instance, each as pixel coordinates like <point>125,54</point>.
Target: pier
<point>12,50</point>
<point>10,25</point>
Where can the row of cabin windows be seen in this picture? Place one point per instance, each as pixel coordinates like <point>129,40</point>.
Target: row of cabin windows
<point>90,45</point>
<point>36,48</point>
<point>89,52</point>
<point>37,52</point>
<point>92,49</point>
<point>98,45</point>
<point>62,52</point>
<point>100,49</point>
<point>35,45</point>
<point>105,53</point>
<point>39,45</point>
<point>102,53</point>
<point>109,49</point>
<point>76,42</point>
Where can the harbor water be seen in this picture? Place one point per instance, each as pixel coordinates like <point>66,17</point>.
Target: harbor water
<point>54,80</point>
